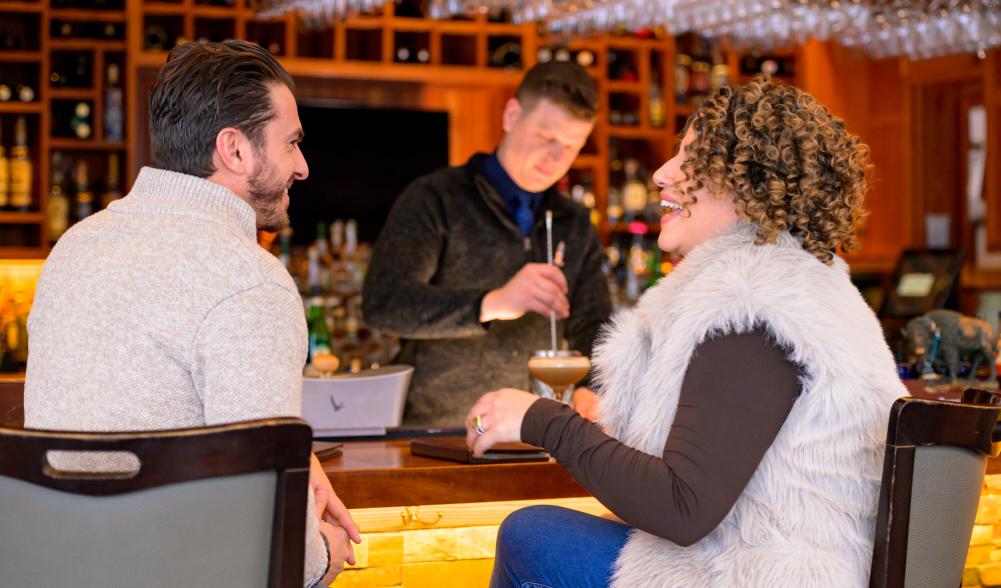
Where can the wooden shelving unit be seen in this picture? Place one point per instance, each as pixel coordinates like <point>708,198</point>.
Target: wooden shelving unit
<point>442,54</point>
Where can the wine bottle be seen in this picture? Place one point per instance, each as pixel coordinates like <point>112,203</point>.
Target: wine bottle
<point>20,167</point>
<point>80,122</point>
<point>58,206</point>
<point>84,197</point>
<point>114,110</point>
<point>4,173</point>
<point>111,192</point>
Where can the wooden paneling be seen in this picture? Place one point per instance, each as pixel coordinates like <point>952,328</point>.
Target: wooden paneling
<point>992,186</point>
<point>886,130</point>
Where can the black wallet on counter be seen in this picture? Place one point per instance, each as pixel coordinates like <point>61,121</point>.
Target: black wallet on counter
<point>454,449</point>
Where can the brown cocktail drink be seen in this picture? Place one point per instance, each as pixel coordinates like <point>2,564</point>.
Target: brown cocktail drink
<point>560,370</point>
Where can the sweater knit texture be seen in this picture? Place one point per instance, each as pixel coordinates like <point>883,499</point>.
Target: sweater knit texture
<point>807,515</point>
<point>162,312</point>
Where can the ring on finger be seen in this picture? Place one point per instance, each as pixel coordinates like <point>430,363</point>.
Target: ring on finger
<point>478,425</point>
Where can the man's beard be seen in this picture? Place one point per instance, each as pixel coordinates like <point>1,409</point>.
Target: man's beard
<point>266,194</point>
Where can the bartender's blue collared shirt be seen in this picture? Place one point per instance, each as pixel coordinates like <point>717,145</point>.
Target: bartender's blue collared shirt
<point>511,193</point>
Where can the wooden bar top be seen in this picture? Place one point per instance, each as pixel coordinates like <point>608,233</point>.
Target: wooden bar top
<point>383,473</point>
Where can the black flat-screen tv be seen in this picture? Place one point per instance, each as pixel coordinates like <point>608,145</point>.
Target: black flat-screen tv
<point>360,159</point>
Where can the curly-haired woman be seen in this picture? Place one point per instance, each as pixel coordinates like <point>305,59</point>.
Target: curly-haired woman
<point>745,399</point>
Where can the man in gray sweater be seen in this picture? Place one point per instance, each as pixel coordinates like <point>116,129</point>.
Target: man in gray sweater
<point>459,270</point>
<point>162,312</point>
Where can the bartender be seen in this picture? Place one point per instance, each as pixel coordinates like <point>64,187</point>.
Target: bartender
<point>459,271</point>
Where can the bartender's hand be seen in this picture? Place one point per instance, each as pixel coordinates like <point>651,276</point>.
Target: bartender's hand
<point>585,402</point>
<point>537,287</point>
<point>329,507</point>
<point>500,413</point>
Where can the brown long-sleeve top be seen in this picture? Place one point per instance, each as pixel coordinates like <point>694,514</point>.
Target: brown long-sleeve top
<point>735,396</point>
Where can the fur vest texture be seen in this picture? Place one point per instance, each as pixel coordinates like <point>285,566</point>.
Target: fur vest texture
<point>807,516</point>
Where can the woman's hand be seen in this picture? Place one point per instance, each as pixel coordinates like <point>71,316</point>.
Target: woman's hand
<point>585,402</point>
<point>501,413</point>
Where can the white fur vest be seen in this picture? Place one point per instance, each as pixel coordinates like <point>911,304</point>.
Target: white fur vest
<point>807,516</point>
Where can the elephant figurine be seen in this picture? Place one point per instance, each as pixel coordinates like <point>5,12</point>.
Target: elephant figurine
<point>943,337</point>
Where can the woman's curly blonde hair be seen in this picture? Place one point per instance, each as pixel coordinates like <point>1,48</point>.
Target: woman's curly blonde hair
<point>790,163</point>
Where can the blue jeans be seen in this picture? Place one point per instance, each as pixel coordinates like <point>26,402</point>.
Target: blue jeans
<point>553,547</point>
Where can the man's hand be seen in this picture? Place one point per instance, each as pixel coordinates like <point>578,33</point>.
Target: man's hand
<point>329,507</point>
<point>585,402</point>
<point>537,287</point>
<point>340,552</point>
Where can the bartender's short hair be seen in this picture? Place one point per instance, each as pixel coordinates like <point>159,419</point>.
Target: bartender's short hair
<point>207,87</point>
<point>563,83</point>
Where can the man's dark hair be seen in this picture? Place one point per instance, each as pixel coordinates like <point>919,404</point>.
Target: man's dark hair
<point>207,87</point>
<point>563,83</point>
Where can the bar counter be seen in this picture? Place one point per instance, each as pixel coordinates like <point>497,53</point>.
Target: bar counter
<point>430,522</point>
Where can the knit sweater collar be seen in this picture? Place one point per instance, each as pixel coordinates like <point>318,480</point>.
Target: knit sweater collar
<point>171,192</point>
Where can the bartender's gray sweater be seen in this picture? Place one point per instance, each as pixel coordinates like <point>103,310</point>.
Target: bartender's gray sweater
<point>162,312</point>
<point>449,240</point>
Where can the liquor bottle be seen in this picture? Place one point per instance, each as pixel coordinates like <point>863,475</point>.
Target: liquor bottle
<point>654,273</point>
<point>337,238</point>
<point>84,197</point>
<point>58,207</point>
<point>634,193</point>
<point>111,192</point>
<point>590,200</point>
<point>285,249</point>
<point>4,174</point>
<point>324,259</point>
<point>682,77</point>
<point>351,352</point>
<point>656,102</point>
<point>114,110</point>
<point>20,167</point>
<point>635,268</point>
<point>699,84</point>
<point>319,336</point>
<point>313,285</point>
<point>17,330</point>
<point>614,211</point>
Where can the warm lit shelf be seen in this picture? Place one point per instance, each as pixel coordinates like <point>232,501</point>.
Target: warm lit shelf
<point>631,86</point>
<point>20,107</point>
<point>85,14</point>
<point>21,218</point>
<point>458,27</point>
<point>500,28</point>
<point>20,7</point>
<point>163,9</point>
<point>86,44</point>
<point>363,22</point>
<point>73,93</point>
<point>20,56</point>
<point>588,161</point>
<point>23,252</point>
<point>633,42</point>
<point>637,132</point>
<point>685,110</point>
<point>416,25</point>
<point>84,144</point>
<point>220,12</point>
